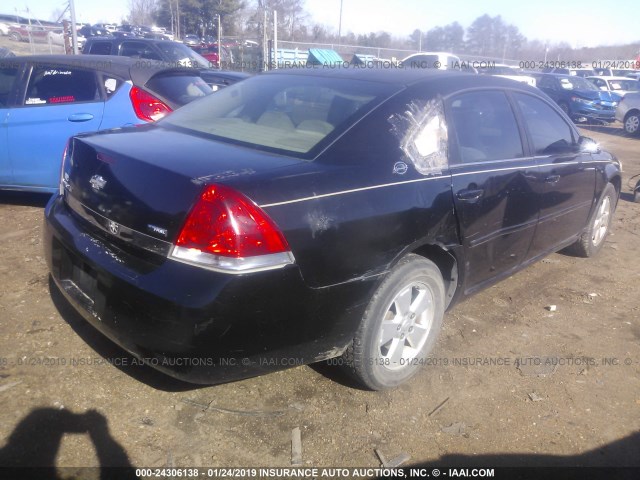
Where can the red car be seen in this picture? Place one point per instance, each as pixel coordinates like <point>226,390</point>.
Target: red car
<point>38,33</point>
<point>210,52</point>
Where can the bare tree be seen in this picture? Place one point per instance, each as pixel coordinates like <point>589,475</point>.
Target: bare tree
<point>142,12</point>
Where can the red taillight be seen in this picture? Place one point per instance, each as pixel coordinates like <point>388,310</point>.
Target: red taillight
<point>146,106</point>
<point>226,231</point>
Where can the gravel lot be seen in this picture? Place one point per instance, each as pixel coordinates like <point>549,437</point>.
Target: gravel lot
<point>66,403</point>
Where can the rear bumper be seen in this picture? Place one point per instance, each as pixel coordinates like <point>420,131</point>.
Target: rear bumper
<point>194,324</point>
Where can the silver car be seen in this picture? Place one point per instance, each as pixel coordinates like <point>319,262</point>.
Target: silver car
<point>628,112</point>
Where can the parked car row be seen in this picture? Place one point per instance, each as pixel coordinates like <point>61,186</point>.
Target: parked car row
<point>166,51</point>
<point>580,93</point>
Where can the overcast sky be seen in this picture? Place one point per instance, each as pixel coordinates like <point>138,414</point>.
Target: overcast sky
<point>579,22</point>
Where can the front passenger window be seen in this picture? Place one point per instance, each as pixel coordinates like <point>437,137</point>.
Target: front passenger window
<point>548,130</point>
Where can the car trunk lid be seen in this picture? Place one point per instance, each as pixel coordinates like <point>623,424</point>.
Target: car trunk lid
<point>146,180</point>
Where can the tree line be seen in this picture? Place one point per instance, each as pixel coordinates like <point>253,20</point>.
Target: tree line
<point>486,37</point>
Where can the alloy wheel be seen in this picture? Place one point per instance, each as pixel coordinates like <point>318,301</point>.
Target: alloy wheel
<point>406,326</point>
<point>601,222</point>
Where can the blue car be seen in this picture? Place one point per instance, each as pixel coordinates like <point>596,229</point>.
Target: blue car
<point>579,98</point>
<point>46,99</point>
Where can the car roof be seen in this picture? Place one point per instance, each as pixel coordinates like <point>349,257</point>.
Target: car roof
<point>127,67</point>
<point>602,77</point>
<point>562,75</point>
<point>404,76</point>
<point>126,39</point>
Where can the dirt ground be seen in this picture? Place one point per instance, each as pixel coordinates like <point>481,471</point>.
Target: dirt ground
<point>583,410</point>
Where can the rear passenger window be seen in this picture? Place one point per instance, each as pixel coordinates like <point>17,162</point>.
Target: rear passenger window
<point>61,84</point>
<point>100,48</point>
<point>7,77</point>
<point>485,127</point>
<point>138,50</point>
<point>548,130</point>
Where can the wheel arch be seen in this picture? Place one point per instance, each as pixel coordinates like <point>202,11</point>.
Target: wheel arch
<point>635,111</point>
<point>446,262</point>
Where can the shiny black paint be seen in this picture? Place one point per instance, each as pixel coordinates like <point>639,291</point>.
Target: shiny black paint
<point>349,215</point>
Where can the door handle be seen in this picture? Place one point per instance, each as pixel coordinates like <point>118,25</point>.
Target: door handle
<point>552,179</point>
<point>80,117</point>
<point>469,195</point>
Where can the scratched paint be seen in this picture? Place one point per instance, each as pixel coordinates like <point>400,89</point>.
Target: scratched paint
<point>422,132</point>
<point>319,222</point>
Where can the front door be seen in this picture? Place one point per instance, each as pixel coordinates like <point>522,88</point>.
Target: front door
<point>567,175</point>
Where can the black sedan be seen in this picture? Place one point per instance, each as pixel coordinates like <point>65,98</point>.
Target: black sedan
<point>303,215</point>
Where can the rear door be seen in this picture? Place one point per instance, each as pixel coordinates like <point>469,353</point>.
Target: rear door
<point>493,185</point>
<point>59,101</point>
<point>568,176</point>
<point>8,74</point>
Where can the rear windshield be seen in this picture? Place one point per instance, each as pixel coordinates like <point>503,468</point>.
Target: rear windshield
<point>182,55</point>
<point>282,113</point>
<point>180,89</point>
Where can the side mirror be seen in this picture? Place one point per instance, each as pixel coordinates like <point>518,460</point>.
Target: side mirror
<point>588,145</point>
<point>603,88</point>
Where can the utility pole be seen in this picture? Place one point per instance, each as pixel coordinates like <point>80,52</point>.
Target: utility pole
<point>340,25</point>
<point>265,47</point>
<point>219,43</point>
<point>275,39</point>
<point>178,32</point>
<point>74,29</point>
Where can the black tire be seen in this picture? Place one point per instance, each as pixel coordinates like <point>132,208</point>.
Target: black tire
<point>631,123</point>
<point>375,364</point>
<point>15,36</point>
<point>593,238</point>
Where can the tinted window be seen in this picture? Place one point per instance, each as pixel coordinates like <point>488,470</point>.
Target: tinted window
<point>547,82</point>
<point>287,113</point>
<point>485,127</point>
<point>180,89</point>
<point>100,48</point>
<point>7,76</point>
<point>548,130</point>
<point>138,50</point>
<point>61,84</point>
